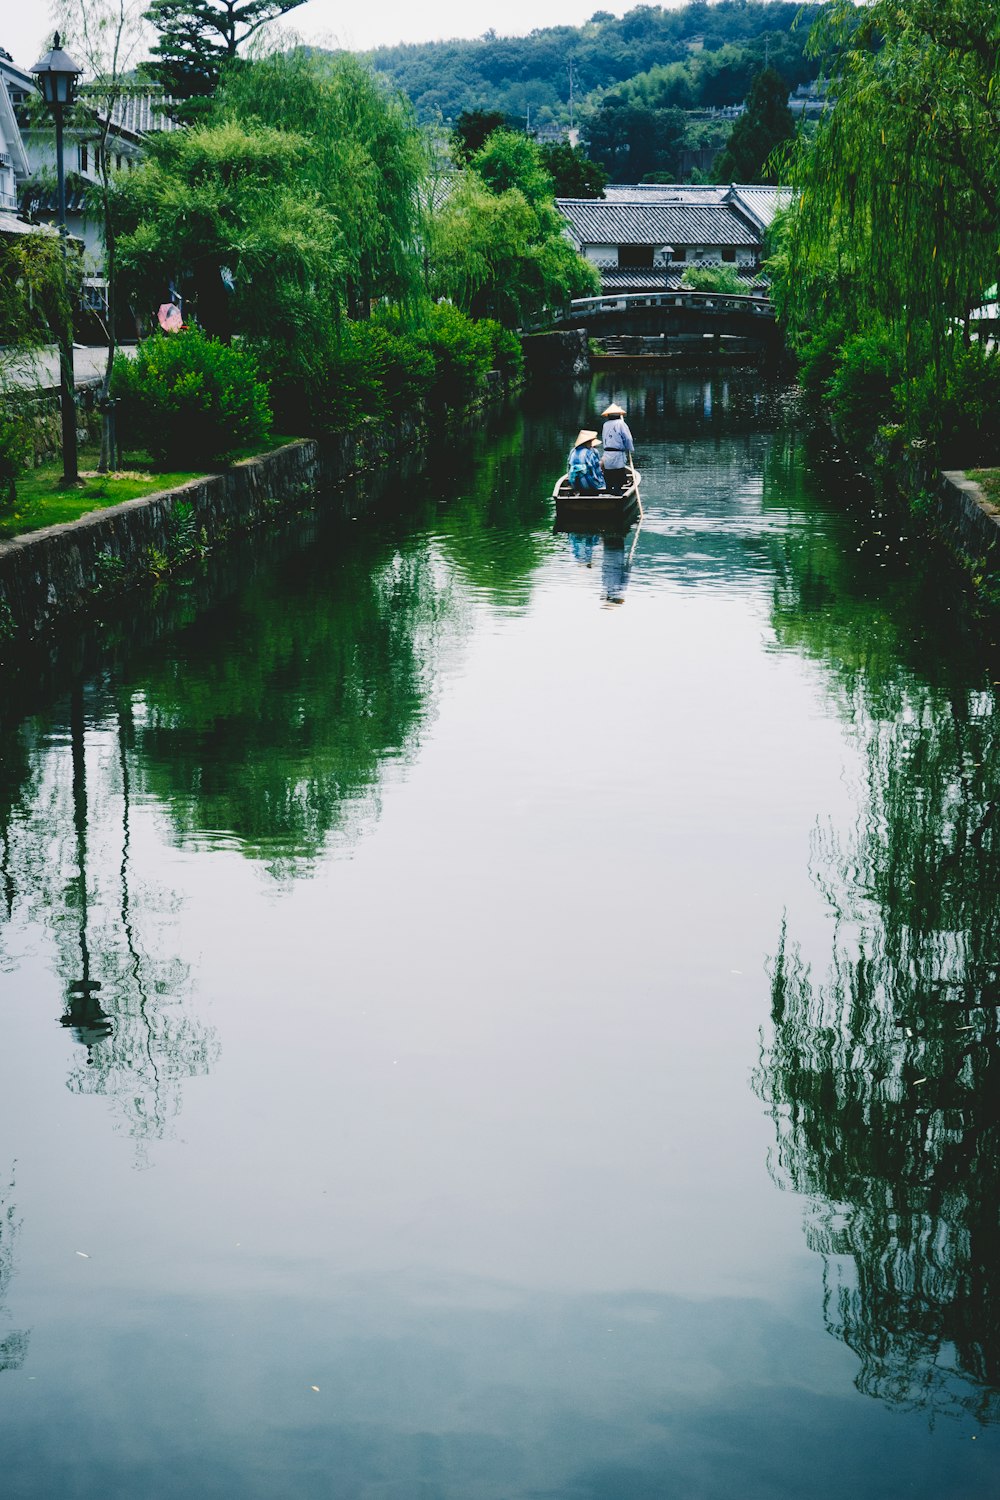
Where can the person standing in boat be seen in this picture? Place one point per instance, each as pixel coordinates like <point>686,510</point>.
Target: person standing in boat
<point>584,468</point>
<point>618,447</point>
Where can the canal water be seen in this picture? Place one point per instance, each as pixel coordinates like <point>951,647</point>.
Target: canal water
<point>493,1014</point>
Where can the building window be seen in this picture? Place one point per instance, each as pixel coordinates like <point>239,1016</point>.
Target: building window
<point>83,158</point>
<point>635,257</point>
<point>729,252</point>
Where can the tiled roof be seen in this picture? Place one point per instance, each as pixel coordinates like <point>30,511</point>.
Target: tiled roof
<point>39,200</point>
<point>761,203</point>
<point>663,192</point>
<point>602,223</point>
<point>11,225</point>
<point>141,111</point>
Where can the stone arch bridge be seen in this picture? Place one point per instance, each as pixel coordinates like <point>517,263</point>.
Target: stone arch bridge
<point>678,315</point>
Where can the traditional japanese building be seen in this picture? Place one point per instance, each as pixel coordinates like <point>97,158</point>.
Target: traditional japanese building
<point>28,157</point>
<point>643,236</point>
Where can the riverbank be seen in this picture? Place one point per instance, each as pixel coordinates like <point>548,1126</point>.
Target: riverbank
<point>964,517</point>
<point>957,510</point>
<point>51,576</point>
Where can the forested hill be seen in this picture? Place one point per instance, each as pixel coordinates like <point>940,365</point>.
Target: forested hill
<point>720,45</point>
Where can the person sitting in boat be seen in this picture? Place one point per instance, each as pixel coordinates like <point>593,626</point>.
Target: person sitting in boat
<point>618,448</point>
<point>584,471</point>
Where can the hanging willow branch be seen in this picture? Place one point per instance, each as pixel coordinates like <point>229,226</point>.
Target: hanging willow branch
<point>900,189</point>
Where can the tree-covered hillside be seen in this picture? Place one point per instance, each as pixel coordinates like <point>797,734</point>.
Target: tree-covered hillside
<point>518,74</point>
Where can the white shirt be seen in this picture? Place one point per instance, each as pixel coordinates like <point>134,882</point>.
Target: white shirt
<point>617,442</point>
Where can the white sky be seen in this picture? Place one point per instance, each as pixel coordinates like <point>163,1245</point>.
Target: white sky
<point>24,33</point>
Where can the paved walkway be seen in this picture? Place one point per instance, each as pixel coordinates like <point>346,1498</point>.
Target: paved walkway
<point>41,371</point>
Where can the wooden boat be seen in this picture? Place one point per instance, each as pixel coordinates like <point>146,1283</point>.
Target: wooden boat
<point>598,510</point>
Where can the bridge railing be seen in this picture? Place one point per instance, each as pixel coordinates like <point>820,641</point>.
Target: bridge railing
<point>626,301</point>
<point>612,302</point>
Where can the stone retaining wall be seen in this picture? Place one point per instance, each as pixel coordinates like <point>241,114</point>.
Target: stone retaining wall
<point>48,576</point>
<point>55,572</point>
<point>968,522</point>
<point>564,354</point>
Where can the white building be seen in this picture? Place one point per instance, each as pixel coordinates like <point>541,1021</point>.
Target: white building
<point>642,236</point>
<point>13,163</point>
<point>28,188</point>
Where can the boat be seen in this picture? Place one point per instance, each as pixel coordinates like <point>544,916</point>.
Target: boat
<point>598,510</point>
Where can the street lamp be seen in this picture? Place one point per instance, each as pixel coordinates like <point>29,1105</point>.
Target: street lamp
<point>56,74</point>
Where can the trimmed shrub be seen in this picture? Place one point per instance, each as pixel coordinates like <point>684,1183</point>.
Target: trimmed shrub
<point>349,389</point>
<point>463,354</point>
<point>722,279</point>
<point>818,350</point>
<point>191,401</point>
<point>970,412</point>
<point>383,366</point>
<point>402,360</point>
<point>508,356</point>
<point>861,390</point>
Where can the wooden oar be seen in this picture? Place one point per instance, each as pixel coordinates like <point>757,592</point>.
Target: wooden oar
<point>635,480</point>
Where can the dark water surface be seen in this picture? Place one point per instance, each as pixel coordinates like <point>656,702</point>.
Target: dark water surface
<point>492,1015</point>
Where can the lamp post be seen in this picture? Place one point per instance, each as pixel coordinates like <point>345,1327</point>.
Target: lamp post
<point>56,74</point>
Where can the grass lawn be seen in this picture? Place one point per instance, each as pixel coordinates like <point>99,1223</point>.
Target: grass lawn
<point>42,501</point>
<point>988,481</point>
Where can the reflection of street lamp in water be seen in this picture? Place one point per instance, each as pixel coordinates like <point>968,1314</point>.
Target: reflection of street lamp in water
<point>83,1014</point>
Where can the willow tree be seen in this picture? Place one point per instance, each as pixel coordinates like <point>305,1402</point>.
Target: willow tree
<point>365,165</point>
<point>497,246</point>
<point>222,211</point>
<point>899,193</point>
<point>34,305</point>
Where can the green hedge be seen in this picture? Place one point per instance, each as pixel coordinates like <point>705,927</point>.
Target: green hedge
<point>386,365</point>
<point>190,401</point>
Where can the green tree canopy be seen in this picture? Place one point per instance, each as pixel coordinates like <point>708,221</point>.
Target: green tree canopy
<point>899,197</point>
<point>472,128</point>
<point>714,51</point>
<point>365,164</point>
<point>631,139</point>
<point>766,125</point>
<point>197,38</point>
<point>508,160</point>
<point>221,208</point>
<point>497,248</point>
<point>573,174</point>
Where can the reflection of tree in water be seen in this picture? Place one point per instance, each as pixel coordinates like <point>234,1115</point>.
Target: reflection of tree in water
<point>13,1342</point>
<point>68,866</point>
<point>269,721</point>
<point>882,1079</point>
<point>495,525</point>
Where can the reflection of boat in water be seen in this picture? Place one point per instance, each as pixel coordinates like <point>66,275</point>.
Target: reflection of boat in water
<point>616,556</point>
<point>601,510</point>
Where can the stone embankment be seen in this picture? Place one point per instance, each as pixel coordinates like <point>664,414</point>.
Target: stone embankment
<point>968,522</point>
<point>48,576</point>
<point>562,354</point>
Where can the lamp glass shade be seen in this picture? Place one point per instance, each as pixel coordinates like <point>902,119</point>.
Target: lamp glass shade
<point>56,74</point>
